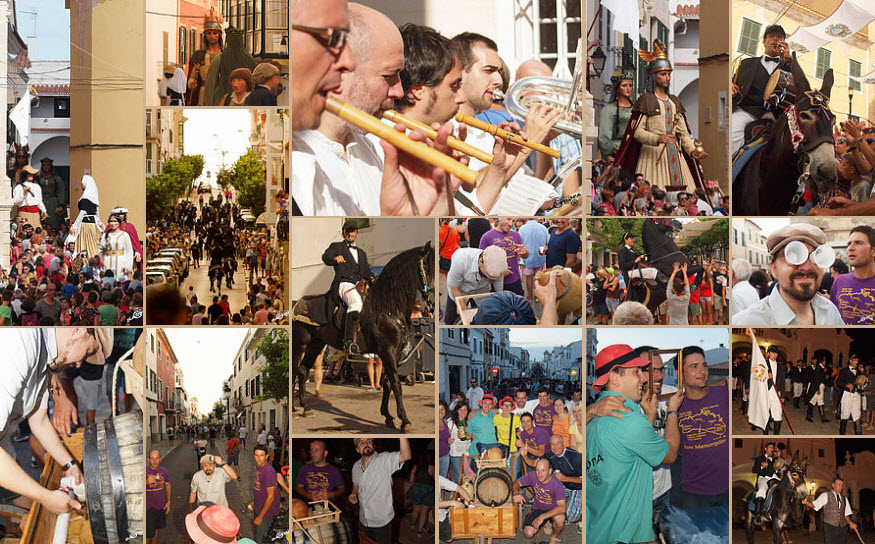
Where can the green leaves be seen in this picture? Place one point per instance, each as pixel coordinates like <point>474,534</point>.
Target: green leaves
<point>246,176</point>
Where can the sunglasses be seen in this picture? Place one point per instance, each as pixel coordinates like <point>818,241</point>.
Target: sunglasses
<point>334,39</point>
<point>796,253</point>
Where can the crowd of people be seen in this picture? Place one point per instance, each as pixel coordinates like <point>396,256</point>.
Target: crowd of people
<point>222,73</point>
<point>209,512</point>
<point>649,458</point>
<point>427,78</point>
<point>807,283</point>
<point>536,436</point>
<point>504,256</point>
<point>213,235</point>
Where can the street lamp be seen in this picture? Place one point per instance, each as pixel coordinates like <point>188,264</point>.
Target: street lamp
<point>598,62</point>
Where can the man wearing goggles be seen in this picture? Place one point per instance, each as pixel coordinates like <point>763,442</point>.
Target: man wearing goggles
<point>799,257</point>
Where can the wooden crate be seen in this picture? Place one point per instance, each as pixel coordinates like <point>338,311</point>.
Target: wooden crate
<point>482,521</point>
<point>325,518</point>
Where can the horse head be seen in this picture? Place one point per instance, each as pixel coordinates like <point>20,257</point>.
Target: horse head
<point>796,475</point>
<point>811,122</point>
<point>667,226</point>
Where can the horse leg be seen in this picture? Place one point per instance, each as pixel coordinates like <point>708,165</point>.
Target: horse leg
<point>749,527</point>
<point>384,402</point>
<point>390,370</point>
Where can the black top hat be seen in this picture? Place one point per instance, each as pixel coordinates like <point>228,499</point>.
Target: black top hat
<point>775,29</point>
<point>350,224</point>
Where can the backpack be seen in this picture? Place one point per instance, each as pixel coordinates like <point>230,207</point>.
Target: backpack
<point>235,449</point>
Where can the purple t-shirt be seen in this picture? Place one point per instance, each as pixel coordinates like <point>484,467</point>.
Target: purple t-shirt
<point>544,416</point>
<point>315,478</point>
<point>538,437</point>
<point>443,437</point>
<point>156,499</point>
<point>855,299</point>
<point>505,240</point>
<point>545,495</point>
<point>265,477</point>
<point>705,442</point>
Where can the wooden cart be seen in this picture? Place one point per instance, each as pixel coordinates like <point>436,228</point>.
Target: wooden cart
<point>484,524</point>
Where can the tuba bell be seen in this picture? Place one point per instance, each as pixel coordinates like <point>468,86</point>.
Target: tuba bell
<point>551,91</point>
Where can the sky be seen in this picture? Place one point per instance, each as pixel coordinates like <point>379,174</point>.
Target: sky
<point>663,338</point>
<point>206,357</point>
<point>209,132</point>
<point>537,341</point>
<point>770,224</point>
<point>52,40</point>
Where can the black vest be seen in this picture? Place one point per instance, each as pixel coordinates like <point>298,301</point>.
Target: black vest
<point>752,102</point>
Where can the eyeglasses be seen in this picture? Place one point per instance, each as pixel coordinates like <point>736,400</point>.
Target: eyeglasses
<point>796,253</point>
<point>333,38</point>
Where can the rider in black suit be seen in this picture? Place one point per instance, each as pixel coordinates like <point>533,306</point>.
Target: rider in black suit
<point>764,468</point>
<point>350,265</point>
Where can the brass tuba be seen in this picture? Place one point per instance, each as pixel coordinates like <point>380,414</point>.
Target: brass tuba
<point>554,92</point>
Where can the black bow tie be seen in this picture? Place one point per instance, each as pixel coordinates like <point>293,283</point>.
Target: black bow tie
<point>351,246</point>
<point>771,59</point>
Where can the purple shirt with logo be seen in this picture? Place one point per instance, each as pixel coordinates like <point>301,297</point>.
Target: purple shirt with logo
<point>315,478</point>
<point>265,477</point>
<point>545,495</point>
<point>705,442</point>
<point>156,499</point>
<point>505,240</point>
<point>538,437</point>
<point>544,416</point>
<point>855,299</point>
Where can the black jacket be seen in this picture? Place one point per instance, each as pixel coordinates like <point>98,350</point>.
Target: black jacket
<point>779,377</point>
<point>752,79</point>
<point>261,96</point>
<point>844,377</point>
<point>816,377</point>
<point>626,259</point>
<point>349,271</point>
<point>759,470</point>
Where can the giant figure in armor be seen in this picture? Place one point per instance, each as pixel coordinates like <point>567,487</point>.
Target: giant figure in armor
<point>200,61</point>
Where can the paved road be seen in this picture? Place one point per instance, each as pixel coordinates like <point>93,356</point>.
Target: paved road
<point>797,536</point>
<point>181,463</point>
<point>352,409</point>
<point>200,280</point>
<point>797,418</point>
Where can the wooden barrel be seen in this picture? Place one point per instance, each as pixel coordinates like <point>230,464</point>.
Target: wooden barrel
<point>493,486</point>
<point>114,477</point>
<point>569,289</point>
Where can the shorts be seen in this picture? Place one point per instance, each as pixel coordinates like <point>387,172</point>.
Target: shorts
<point>612,304</point>
<point>532,271</point>
<point>601,309</point>
<point>155,519</point>
<point>88,392</point>
<point>704,299</point>
<point>718,303</point>
<point>695,308</point>
<point>531,518</point>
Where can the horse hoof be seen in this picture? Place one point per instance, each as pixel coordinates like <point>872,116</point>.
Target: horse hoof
<point>408,428</point>
<point>390,423</point>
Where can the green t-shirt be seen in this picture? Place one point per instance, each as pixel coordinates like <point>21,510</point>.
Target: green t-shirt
<point>621,454</point>
<point>483,430</point>
<point>108,315</point>
<point>6,311</point>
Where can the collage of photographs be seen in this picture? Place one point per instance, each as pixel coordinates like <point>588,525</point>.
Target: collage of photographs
<point>393,272</point>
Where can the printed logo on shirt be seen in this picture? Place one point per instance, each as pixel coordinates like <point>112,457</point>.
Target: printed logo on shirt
<point>158,485</point>
<point>317,481</point>
<point>857,306</point>
<point>592,474</point>
<point>705,425</point>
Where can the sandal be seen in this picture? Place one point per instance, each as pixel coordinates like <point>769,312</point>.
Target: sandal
<point>317,394</point>
<point>371,390</point>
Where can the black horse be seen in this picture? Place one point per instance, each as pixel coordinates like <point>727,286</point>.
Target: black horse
<point>768,182</point>
<point>384,326</point>
<point>662,253</point>
<point>786,502</point>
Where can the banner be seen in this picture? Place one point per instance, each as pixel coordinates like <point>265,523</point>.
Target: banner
<point>626,17</point>
<point>758,399</point>
<point>849,18</point>
<point>20,117</point>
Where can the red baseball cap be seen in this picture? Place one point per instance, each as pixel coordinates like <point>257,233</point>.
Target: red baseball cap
<point>617,355</point>
<point>487,396</point>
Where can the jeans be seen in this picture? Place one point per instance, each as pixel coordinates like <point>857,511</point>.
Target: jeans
<point>262,531</point>
<point>444,465</point>
<point>456,465</point>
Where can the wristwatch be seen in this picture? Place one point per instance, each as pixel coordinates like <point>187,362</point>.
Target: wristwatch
<point>70,464</point>
<point>220,466</point>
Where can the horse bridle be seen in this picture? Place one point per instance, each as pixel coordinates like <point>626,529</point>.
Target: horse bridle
<point>424,287</point>
<point>801,146</point>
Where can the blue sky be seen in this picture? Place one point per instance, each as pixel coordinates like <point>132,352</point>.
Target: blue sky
<point>538,340</point>
<point>52,38</point>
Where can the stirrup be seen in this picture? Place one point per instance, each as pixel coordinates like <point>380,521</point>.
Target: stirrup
<point>352,349</point>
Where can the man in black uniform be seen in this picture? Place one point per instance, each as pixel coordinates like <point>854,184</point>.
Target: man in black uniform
<point>350,265</point>
<point>814,388</point>
<point>850,403</point>
<point>627,260</point>
<point>764,468</point>
<point>796,381</point>
<point>752,77</point>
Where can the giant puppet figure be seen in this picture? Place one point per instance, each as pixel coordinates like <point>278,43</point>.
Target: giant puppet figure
<point>200,61</point>
<point>657,142</point>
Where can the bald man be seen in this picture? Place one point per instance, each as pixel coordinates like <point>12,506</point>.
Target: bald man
<point>319,57</point>
<point>338,171</point>
<point>548,503</point>
<point>568,146</point>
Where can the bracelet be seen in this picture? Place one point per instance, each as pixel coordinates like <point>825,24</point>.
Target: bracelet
<point>70,464</point>
<point>675,412</point>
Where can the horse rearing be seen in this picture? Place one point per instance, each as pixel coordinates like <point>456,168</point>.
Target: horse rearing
<point>787,496</point>
<point>384,327</point>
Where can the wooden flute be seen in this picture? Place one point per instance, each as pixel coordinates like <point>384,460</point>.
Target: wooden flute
<point>400,140</point>
<point>453,142</point>
<point>501,133</point>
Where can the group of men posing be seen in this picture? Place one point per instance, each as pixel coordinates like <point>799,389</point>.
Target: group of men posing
<point>369,63</point>
<point>633,439</point>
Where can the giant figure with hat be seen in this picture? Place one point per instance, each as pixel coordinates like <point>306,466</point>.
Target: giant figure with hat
<point>116,250</point>
<point>657,141</point>
<point>22,159</point>
<point>54,193</point>
<point>122,214</point>
<point>200,61</point>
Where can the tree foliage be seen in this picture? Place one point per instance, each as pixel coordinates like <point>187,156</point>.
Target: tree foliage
<point>174,181</point>
<point>275,371</point>
<point>219,410</point>
<point>247,177</point>
<point>606,235</point>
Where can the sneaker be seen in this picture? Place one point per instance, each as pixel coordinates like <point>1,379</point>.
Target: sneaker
<point>21,437</point>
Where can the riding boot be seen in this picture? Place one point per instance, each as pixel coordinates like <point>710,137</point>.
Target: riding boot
<point>349,324</point>
<point>843,426</point>
<point>809,416</point>
<point>823,418</point>
<point>776,427</point>
<point>759,504</point>
<point>766,428</point>
<point>858,426</point>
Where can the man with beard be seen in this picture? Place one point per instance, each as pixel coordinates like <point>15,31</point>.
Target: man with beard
<point>54,193</point>
<point>207,485</point>
<point>851,399</point>
<point>622,451</point>
<point>799,257</point>
<point>200,60</point>
<point>657,142</point>
<point>815,386</point>
<point>372,487</point>
<point>854,293</point>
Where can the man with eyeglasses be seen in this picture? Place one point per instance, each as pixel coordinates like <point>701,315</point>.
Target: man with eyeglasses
<point>799,257</point>
<point>372,487</point>
<point>854,293</point>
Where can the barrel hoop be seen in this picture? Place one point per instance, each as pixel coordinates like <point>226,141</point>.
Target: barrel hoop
<point>118,480</point>
<point>91,463</point>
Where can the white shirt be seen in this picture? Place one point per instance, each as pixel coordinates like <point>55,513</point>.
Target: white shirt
<point>773,310</point>
<point>242,432</point>
<point>768,65</point>
<point>262,438</point>
<point>34,197</point>
<point>821,499</point>
<point>465,275</point>
<point>210,489</point>
<point>743,295</point>
<point>662,473</point>
<point>446,485</point>
<point>375,488</point>
<point>26,357</point>
<point>704,207</point>
<point>474,395</point>
<point>324,183</point>
<point>529,406</point>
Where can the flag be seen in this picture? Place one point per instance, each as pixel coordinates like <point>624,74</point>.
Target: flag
<point>625,17</point>
<point>20,117</point>
<point>758,399</point>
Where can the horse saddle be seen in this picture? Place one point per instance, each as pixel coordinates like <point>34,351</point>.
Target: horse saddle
<point>314,310</point>
<point>770,493</point>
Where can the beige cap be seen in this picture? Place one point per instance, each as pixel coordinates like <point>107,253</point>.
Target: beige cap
<point>494,262</point>
<point>803,232</point>
<point>263,72</point>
